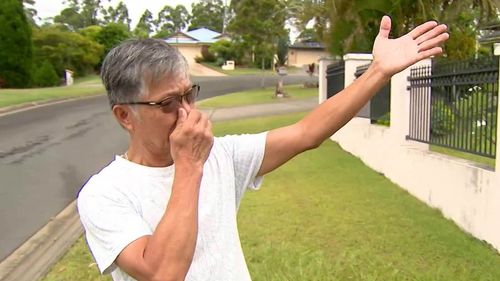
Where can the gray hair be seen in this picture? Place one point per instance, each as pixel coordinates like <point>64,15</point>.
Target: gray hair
<point>133,66</point>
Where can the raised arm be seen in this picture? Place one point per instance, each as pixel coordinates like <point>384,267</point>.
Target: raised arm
<point>390,56</point>
<point>167,254</point>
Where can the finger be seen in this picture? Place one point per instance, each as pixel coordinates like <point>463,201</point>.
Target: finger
<point>434,42</point>
<point>421,29</point>
<point>194,117</point>
<point>436,31</point>
<point>200,122</point>
<point>181,117</point>
<point>385,27</point>
<point>429,53</point>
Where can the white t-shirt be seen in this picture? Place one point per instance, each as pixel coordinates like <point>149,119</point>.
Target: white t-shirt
<point>126,201</point>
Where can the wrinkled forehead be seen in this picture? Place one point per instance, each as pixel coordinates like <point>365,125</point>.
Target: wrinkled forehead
<point>152,77</point>
<point>167,84</point>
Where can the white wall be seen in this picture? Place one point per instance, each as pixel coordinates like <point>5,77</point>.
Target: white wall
<point>323,63</point>
<point>189,51</point>
<point>464,192</point>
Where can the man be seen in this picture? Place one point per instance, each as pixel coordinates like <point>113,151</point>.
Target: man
<point>166,208</point>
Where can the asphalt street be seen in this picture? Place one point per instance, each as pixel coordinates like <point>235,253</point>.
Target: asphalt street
<point>48,152</point>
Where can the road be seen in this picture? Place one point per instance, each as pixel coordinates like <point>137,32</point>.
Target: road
<point>48,152</point>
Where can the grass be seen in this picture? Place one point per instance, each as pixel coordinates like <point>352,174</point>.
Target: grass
<point>76,265</point>
<point>258,96</point>
<point>489,162</point>
<point>239,70</point>
<point>327,216</point>
<point>86,86</point>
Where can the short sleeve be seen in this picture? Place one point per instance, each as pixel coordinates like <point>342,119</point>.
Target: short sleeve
<point>110,220</point>
<point>247,152</point>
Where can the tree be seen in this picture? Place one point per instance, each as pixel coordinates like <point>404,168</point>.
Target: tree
<point>308,35</point>
<point>145,25</point>
<point>112,35</point>
<point>257,26</point>
<point>66,50</point>
<point>462,42</point>
<point>91,32</point>
<point>208,14</point>
<point>90,11</point>
<point>282,51</point>
<point>79,15</point>
<point>71,18</point>
<point>30,11</point>
<point>16,49</point>
<point>117,15</point>
<point>350,26</point>
<point>171,20</point>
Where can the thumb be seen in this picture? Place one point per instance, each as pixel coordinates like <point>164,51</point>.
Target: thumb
<point>181,116</point>
<point>385,27</point>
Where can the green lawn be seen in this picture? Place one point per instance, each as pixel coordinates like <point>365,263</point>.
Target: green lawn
<point>240,70</point>
<point>327,216</point>
<point>488,162</point>
<point>258,96</point>
<point>86,86</point>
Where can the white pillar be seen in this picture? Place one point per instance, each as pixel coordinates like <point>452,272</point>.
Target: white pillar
<point>322,89</point>
<point>352,61</point>
<point>69,77</point>
<point>497,163</point>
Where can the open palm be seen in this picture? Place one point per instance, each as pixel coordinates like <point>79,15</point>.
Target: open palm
<point>394,55</point>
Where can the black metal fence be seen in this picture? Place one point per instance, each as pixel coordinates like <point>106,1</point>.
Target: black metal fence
<point>378,109</point>
<point>455,105</point>
<point>335,78</point>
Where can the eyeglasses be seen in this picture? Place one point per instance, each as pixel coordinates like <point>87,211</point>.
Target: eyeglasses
<point>172,103</point>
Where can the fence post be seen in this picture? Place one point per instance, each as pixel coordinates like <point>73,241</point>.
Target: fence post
<point>497,159</point>
<point>352,61</point>
<point>400,103</point>
<point>322,89</point>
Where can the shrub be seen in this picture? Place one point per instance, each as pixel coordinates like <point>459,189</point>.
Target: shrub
<point>220,61</point>
<point>223,49</point>
<point>45,75</point>
<point>198,59</point>
<point>442,118</point>
<point>207,55</point>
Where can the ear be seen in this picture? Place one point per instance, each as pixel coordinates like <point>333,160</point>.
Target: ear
<point>124,116</point>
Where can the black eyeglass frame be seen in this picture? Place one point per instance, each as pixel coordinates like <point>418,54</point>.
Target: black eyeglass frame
<point>163,103</point>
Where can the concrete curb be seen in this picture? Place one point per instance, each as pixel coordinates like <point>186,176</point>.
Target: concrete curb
<point>36,256</point>
<point>29,105</point>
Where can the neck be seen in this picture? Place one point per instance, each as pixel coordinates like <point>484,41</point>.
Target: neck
<point>143,155</point>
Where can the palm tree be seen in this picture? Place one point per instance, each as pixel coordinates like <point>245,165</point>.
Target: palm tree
<point>350,26</point>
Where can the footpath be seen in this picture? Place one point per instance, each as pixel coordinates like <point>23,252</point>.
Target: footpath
<point>35,257</point>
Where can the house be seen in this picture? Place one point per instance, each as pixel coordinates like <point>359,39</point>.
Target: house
<point>191,43</point>
<point>490,34</point>
<point>301,54</point>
